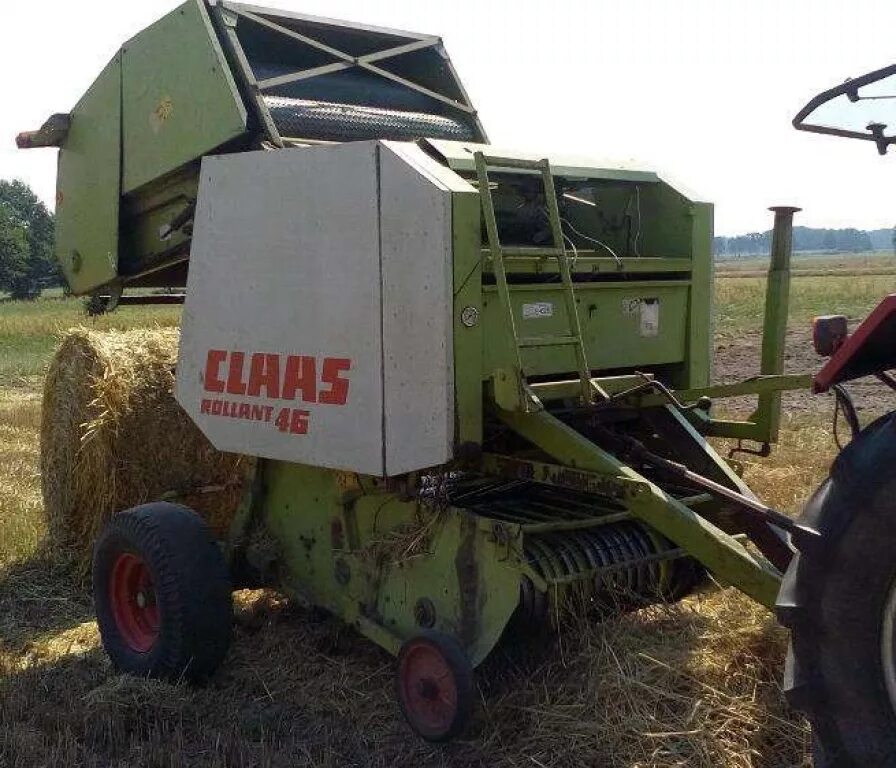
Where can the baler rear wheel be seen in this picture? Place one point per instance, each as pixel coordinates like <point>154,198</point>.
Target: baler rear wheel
<point>162,593</point>
<point>839,600</point>
<point>434,684</point>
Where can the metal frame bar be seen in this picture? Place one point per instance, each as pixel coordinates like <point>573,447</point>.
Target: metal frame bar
<point>559,390</point>
<point>774,329</point>
<point>324,20</point>
<point>720,552</point>
<point>419,88</point>
<point>227,18</point>
<point>305,74</point>
<point>528,260</point>
<point>348,61</point>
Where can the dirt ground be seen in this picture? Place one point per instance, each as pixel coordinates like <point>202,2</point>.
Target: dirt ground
<point>737,358</point>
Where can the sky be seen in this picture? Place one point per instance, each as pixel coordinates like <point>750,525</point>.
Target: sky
<point>703,91</point>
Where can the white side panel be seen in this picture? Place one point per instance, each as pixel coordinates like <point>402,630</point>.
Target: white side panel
<point>283,309</point>
<point>415,211</point>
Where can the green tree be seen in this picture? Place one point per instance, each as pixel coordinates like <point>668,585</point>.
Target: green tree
<point>13,251</point>
<point>25,223</point>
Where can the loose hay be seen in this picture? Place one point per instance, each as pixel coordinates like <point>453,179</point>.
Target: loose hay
<point>691,685</point>
<point>113,436</point>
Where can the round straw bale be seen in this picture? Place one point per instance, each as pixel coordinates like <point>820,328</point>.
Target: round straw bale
<point>113,436</point>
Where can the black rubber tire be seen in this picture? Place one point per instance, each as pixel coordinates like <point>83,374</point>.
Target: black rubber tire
<point>456,660</point>
<point>833,599</point>
<point>192,590</point>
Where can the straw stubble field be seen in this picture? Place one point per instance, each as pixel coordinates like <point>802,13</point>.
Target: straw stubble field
<point>692,684</point>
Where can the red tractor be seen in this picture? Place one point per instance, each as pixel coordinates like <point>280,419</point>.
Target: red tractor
<point>839,595</point>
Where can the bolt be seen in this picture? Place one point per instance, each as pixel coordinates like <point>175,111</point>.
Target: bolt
<point>425,613</point>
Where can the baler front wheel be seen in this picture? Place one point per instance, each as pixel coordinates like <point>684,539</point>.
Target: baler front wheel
<point>434,682</point>
<point>162,593</point>
<point>839,600</point>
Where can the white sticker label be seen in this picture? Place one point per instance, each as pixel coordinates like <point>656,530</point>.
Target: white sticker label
<point>538,309</point>
<point>650,317</point>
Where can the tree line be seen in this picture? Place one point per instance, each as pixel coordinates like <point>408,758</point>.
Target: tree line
<point>27,264</point>
<point>808,239</point>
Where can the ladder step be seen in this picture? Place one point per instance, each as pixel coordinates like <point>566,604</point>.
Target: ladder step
<point>523,251</point>
<point>549,341</point>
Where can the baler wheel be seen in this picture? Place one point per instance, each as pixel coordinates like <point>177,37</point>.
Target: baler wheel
<point>162,593</point>
<point>434,683</point>
<point>839,601</point>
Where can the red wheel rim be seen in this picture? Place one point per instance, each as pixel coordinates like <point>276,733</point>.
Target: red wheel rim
<point>428,689</point>
<point>134,604</point>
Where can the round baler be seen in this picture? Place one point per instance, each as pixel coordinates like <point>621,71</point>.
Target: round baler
<point>473,384</point>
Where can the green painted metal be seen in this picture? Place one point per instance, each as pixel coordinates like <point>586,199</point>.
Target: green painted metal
<point>180,100</point>
<point>569,336</point>
<point>695,447</point>
<point>461,157</point>
<point>610,322</point>
<point>229,22</point>
<point>87,195</point>
<point>774,332</point>
<point>384,564</point>
<point>510,372</point>
<point>700,330</point>
<point>147,240</point>
<point>718,551</point>
<point>529,261</point>
<point>566,389</point>
<point>561,389</point>
<point>343,539</point>
<point>755,386</point>
<point>539,332</point>
<point>468,326</point>
<point>755,429</point>
<point>617,488</point>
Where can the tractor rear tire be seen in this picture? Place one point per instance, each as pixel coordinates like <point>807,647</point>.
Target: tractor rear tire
<point>162,593</point>
<point>839,601</point>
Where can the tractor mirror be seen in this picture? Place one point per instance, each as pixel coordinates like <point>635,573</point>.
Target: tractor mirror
<point>861,108</point>
<point>828,334</point>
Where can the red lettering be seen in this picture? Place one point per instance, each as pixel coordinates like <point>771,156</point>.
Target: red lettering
<point>217,407</point>
<point>235,383</point>
<point>268,410</point>
<point>282,420</point>
<point>337,394</point>
<point>258,412</point>
<point>300,374</point>
<point>212,380</point>
<point>206,406</point>
<point>245,411</point>
<point>298,423</point>
<point>264,372</point>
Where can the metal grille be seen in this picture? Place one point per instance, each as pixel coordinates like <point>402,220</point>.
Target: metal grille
<point>328,121</point>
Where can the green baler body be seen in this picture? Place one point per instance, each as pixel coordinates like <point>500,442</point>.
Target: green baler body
<point>381,553</point>
<point>130,161</point>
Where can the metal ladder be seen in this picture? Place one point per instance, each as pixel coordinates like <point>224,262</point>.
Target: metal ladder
<point>499,253</point>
